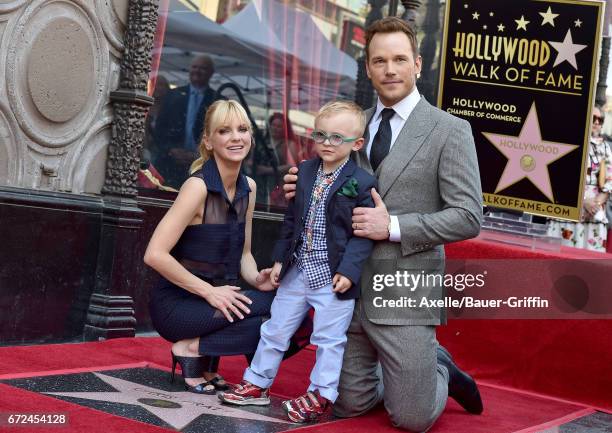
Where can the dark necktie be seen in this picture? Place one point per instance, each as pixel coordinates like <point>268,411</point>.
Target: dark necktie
<point>382,140</point>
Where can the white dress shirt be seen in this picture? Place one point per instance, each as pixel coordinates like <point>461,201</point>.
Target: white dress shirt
<point>402,110</point>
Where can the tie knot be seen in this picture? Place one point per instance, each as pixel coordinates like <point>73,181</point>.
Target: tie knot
<point>387,113</point>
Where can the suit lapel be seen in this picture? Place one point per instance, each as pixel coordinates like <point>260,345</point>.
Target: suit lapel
<point>409,141</point>
<point>184,98</point>
<point>181,104</point>
<point>309,174</point>
<point>343,176</point>
<point>361,157</point>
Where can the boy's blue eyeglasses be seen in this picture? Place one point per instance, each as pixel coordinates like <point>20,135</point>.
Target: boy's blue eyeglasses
<point>321,137</point>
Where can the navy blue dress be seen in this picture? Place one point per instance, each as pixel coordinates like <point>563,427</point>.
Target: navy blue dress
<point>212,251</point>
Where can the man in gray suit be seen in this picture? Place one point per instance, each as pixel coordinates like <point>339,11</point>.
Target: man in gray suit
<point>430,194</point>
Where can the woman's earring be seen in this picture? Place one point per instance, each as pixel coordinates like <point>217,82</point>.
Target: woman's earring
<point>418,75</point>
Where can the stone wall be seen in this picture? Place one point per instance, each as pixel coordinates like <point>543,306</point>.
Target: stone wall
<point>59,61</point>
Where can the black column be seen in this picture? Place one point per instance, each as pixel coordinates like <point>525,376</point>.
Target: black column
<point>364,92</point>
<point>410,12</point>
<point>600,97</point>
<point>110,313</point>
<point>428,83</point>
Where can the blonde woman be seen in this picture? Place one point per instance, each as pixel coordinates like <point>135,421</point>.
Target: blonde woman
<point>201,247</point>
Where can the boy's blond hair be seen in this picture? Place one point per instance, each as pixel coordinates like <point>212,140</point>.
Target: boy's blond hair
<point>335,107</point>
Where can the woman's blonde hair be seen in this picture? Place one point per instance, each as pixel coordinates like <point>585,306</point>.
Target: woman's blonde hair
<point>219,114</point>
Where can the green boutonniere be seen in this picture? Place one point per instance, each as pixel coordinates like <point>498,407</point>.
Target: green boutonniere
<point>350,188</point>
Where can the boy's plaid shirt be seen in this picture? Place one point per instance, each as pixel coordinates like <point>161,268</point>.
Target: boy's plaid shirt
<point>312,261</point>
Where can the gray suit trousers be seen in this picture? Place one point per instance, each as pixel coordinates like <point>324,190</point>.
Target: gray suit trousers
<point>411,383</point>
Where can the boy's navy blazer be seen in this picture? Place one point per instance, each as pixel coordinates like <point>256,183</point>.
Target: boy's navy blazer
<point>346,253</point>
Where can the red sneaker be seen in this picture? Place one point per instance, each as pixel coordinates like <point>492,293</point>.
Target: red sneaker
<point>246,394</point>
<point>308,407</point>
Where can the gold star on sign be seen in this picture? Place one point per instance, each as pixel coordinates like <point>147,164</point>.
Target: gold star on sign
<point>459,21</point>
<point>465,6</point>
<point>491,14</point>
<point>484,27</point>
<point>522,23</point>
<point>501,27</point>
<point>567,50</point>
<point>578,23</point>
<point>549,17</point>
<point>475,15</point>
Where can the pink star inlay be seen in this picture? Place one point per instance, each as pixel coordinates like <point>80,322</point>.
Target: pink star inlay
<point>528,155</point>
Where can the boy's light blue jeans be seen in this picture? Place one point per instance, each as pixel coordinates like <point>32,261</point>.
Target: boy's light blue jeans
<point>331,320</point>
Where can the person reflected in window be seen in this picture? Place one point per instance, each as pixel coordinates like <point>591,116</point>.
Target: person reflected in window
<point>178,129</point>
<point>271,162</point>
<point>162,87</point>
<point>148,176</point>
<point>591,231</point>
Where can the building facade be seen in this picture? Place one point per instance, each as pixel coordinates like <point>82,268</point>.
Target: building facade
<point>87,133</point>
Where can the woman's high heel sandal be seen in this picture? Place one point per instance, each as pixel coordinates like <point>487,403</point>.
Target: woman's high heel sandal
<point>211,365</point>
<point>192,368</point>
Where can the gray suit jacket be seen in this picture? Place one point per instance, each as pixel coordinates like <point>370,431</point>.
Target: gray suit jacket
<point>431,181</point>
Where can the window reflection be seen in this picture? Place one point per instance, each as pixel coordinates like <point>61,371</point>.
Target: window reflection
<point>180,122</point>
<point>282,60</point>
<point>281,150</point>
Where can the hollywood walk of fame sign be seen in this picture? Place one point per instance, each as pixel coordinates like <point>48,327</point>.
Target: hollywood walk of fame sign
<point>145,394</point>
<point>523,73</point>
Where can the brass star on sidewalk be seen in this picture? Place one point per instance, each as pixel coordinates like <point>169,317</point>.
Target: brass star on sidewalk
<point>177,409</point>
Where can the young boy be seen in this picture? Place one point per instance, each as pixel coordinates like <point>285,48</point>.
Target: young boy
<point>316,243</point>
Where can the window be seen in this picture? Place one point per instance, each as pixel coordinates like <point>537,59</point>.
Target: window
<point>277,58</point>
<point>281,59</point>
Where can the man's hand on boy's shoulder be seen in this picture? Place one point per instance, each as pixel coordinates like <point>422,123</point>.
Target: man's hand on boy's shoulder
<point>372,222</point>
<point>341,283</point>
<point>290,181</point>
